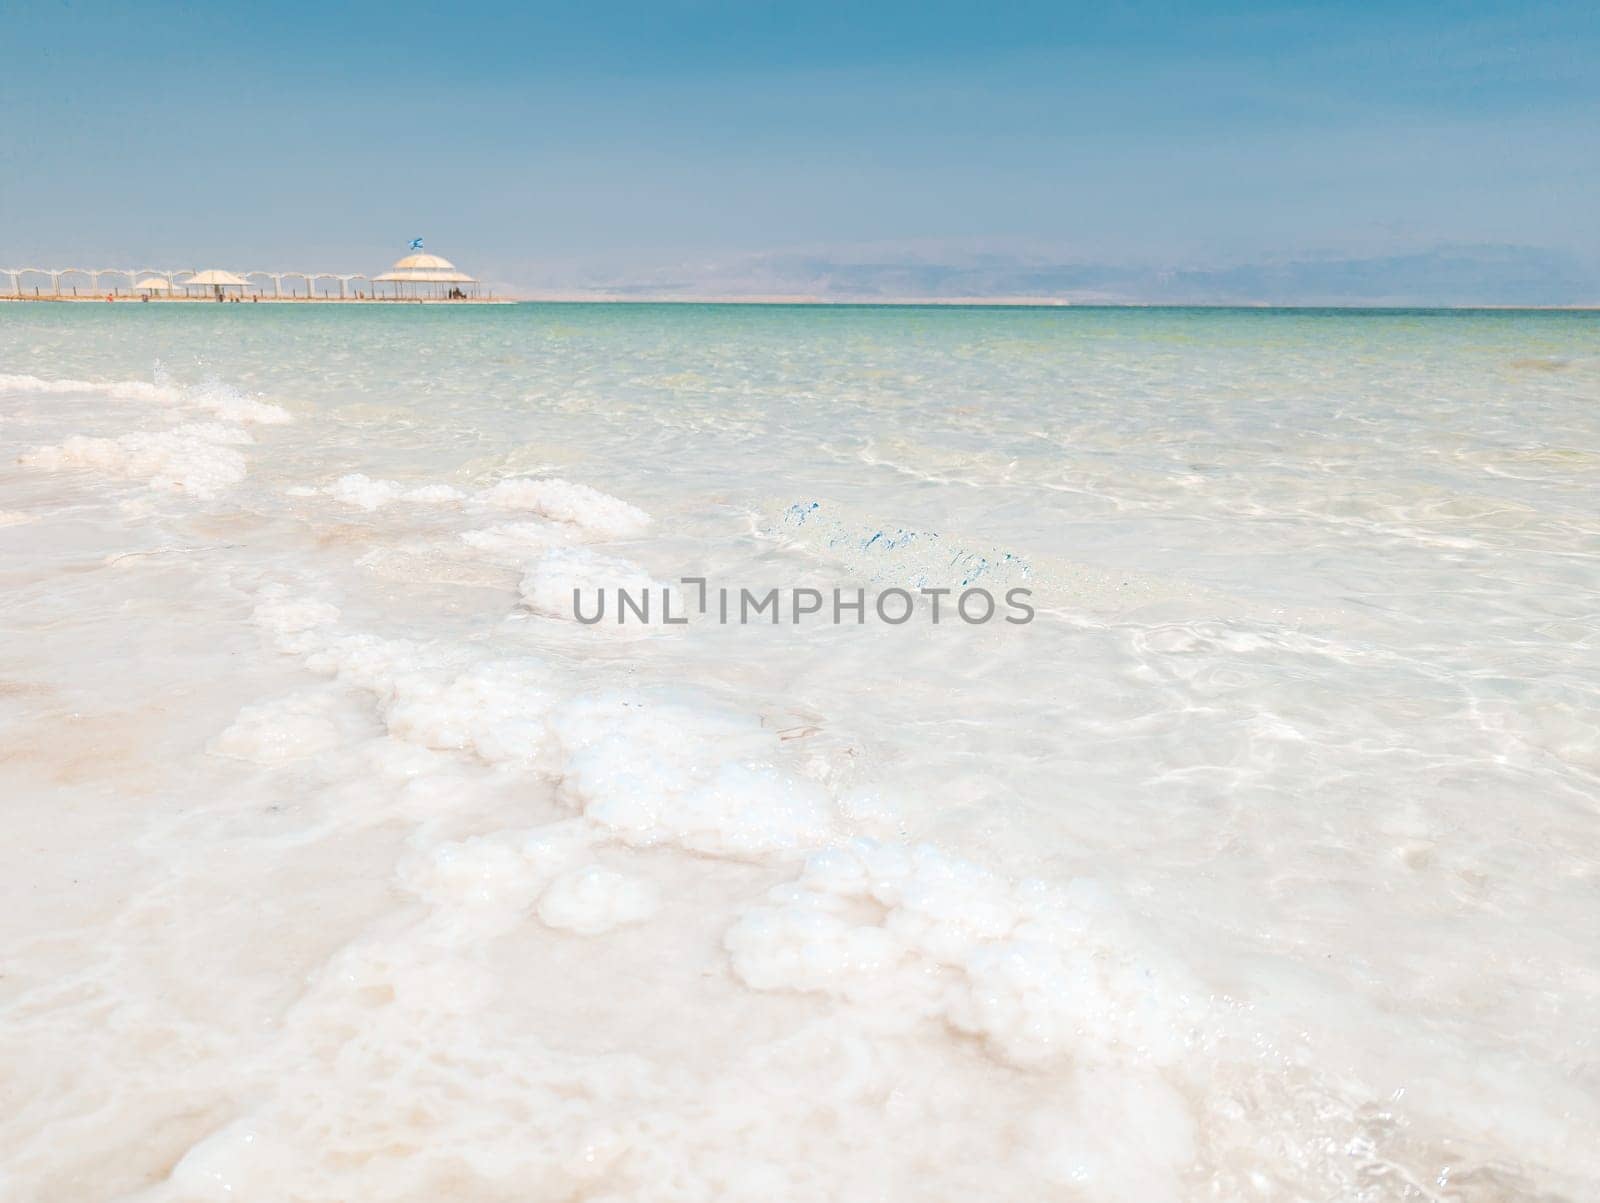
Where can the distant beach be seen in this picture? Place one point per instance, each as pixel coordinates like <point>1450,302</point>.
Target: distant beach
<point>102,298</point>
<point>571,298</point>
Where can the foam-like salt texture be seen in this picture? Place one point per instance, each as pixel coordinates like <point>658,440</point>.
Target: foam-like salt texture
<point>574,512</point>
<point>485,873</point>
<point>551,581</point>
<point>121,390</point>
<point>214,396</point>
<point>374,663</point>
<point>513,542</point>
<point>232,406</point>
<point>1038,971</point>
<point>593,899</point>
<point>499,879</point>
<point>290,728</point>
<point>652,767</point>
<point>197,458</point>
<point>295,624</point>
<point>364,493</point>
<point>598,514</point>
<point>657,767</point>
<point>497,710</point>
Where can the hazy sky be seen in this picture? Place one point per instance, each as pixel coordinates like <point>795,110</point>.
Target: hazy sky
<point>529,140</point>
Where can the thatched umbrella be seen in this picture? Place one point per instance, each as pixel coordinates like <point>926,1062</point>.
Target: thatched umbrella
<point>217,279</point>
<point>423,269</point>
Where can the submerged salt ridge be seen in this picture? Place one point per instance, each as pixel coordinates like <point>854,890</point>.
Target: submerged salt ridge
<point>200,458</point>
<point>529,912</point>
<point>1041,975</point>
<point>643,769</point>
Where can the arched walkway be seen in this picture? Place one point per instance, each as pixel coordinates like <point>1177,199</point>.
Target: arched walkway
<point>66,282</point>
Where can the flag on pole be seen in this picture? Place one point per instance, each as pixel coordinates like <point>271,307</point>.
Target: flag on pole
<point>416,244</point>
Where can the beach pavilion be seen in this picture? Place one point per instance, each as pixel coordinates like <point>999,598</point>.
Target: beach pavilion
<point>153,284</point>
<point>216,279</point>
<point>424,275</point>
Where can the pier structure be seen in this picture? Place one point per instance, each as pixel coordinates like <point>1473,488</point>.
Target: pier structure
<point>417,277</point>
<point>345,280</point>
<point>14,277</point>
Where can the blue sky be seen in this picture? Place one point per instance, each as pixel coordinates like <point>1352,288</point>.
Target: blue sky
<point>587,142</point>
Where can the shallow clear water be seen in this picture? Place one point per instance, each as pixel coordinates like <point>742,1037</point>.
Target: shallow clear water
<point>1262,864</point>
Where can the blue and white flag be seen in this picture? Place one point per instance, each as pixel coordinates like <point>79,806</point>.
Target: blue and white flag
<point>416,244</point>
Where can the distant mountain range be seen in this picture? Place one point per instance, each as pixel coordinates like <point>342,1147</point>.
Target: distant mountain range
<point>1447,275</point>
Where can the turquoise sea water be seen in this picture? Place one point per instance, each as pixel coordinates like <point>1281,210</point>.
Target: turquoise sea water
<point>1260,865</point>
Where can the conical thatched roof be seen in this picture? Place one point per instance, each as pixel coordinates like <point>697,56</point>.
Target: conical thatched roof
<point>425,269</point>
<point>216,276</point>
